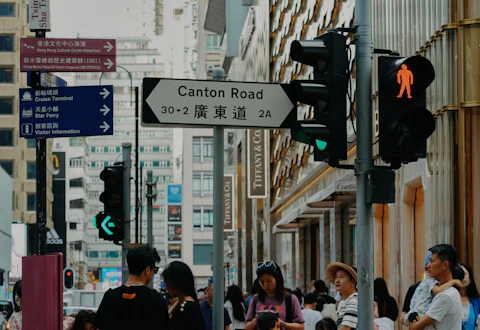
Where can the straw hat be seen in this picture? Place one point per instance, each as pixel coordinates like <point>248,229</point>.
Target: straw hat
<point>334,266</point>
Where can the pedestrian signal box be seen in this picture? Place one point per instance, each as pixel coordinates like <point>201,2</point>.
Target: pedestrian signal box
<point>405,123</point>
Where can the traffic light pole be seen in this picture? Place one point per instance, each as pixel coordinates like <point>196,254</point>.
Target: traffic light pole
<point>127,165</point>
<point>364,162</point>
<point>218,215</point>
<point>150,212</point>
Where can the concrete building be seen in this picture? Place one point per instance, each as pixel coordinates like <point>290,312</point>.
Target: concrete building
<point>6,200</point>
<point>17,155</point>
<point>86,158</point>
<point>310,208</point>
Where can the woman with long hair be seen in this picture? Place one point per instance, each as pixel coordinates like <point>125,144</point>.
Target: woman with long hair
<point>16,318</point>
<point>272,297</point>
<point>470,299</point>
<point>387,305</point>
<point>185,313</point>
<point>236,307</point>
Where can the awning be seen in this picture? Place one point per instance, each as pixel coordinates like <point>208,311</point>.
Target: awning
<point>316,205</point>
<point>215,17</point>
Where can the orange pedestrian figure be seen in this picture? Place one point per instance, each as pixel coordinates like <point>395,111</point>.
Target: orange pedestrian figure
<point>405,80</point>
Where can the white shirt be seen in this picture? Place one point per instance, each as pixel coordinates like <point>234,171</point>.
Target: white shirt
<point>446,310</point>
<point>236,324</point>
<point>311,318</point>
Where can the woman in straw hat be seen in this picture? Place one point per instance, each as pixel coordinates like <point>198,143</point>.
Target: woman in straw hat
<point>344,278</point>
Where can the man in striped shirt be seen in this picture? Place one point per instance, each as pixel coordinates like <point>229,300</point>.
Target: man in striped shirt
<point>345,279</point>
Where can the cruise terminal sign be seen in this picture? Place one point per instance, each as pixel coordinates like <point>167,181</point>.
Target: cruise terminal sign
<point>187,103</point>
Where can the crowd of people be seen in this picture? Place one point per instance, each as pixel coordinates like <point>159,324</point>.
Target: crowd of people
<point>446,299</point>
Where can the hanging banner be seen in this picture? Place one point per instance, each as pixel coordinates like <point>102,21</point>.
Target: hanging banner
<point>257,184</point>
<point>228,202</point>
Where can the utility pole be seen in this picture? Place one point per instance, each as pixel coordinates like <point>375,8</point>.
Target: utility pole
<point>41,175</point>
<point>364,161</point>
<point>137,164</point>
<point>127,163</point>
<point>218,215</point>
<point>150,211</point>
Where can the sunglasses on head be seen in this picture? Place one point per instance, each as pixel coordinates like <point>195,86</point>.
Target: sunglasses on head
<point>266,264</point>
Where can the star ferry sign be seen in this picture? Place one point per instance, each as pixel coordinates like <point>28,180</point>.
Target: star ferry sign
<point>207,103</point>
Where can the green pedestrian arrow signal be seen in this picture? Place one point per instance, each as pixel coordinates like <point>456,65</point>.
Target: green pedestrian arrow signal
<point>106,224</point>
<point>321,144</point>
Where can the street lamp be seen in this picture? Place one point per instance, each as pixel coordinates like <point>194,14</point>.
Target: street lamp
<point>136,146</point>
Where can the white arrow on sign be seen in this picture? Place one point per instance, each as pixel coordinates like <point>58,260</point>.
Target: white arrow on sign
<point>105,110</point>
<point>105,126</point>
<point>219,103</point>
<point>108,46</point>
<point>109,63</point>
<point>105,93</point>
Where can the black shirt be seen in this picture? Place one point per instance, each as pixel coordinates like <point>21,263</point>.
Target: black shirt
<point>328,299</point>
<point>134,307</point>
<point>408,297</point>
<point>187,316</point>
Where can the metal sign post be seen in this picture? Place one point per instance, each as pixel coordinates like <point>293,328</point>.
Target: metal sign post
<point>127,165</point>
<point>218,213</point>
<point>364,162</point>
<point>150,211</point>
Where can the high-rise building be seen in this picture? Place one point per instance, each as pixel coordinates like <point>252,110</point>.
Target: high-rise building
<point>136,59</point>
<point>17,155</point>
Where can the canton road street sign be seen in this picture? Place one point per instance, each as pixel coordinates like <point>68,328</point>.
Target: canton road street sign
<point>68,55</point>
<point>67,111</point>
<point>187,103</point>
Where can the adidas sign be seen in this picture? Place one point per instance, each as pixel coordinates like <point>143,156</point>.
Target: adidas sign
<point>53,238</point>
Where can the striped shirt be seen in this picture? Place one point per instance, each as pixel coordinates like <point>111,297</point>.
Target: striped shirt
<point>347,311</point>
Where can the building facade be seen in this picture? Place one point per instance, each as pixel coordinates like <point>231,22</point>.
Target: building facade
<point>6,200</point>
<point>310,208</point>
<point>17,155</point>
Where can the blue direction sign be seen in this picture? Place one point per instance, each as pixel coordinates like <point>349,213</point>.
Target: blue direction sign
<point>67,111</point>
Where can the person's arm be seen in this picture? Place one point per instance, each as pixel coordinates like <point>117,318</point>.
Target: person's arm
<point>103,310</point>
<point>291,326</point>
<point>227,327</point>
<point>344,327</point>
<point>252,324</point>
<point>437,289</point>
<point>422,324</point>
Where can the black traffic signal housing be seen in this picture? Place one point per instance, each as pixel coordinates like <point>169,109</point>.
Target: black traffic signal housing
<point>68,278</point>
<point>110,222</point>
<point>327,93</point>
<point>404,121</point>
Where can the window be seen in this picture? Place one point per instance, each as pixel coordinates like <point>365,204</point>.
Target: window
<point>6,74</point>
<point>202,216</point>
<point>73,226</point>
<point>6,42</point>
<point>197,184</point>
<point>202,254</point>
<point>111,254</point>
<point>76,162</point>
<point>76,183</point>
<point>202,149</point>
<point>212,42</point>
<point>6,106</point>
<point>7,9</point>
<point>31,170</point>
<point>93,254</point>
<point>207,183</point>
<point>76,141</point>
<point>76,204</point>
<point>31,143</point>
<point>6,137</point>
<point>31,201</point>
<point>7,165</point>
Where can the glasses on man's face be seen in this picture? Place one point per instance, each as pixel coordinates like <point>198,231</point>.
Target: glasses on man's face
<point>266,264</point>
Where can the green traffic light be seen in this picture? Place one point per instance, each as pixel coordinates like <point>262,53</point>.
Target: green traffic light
<point>95,221</point>
<point>321,145</point>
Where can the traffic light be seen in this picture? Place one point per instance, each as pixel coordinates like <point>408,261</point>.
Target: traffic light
<point>404,121</point>
<point>327,93</point>
<point>110,222</point>
<point>68,278</point>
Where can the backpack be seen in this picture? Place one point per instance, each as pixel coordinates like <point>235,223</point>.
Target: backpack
<point>288,307</point>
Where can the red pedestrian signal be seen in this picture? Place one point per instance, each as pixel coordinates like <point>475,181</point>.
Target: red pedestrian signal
<point>68,279</point>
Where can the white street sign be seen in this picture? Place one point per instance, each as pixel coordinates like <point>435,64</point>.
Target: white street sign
<point>180,102</point>
<point>39,15</point>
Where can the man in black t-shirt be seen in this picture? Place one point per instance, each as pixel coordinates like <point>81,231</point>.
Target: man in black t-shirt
<point>134,305</point>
